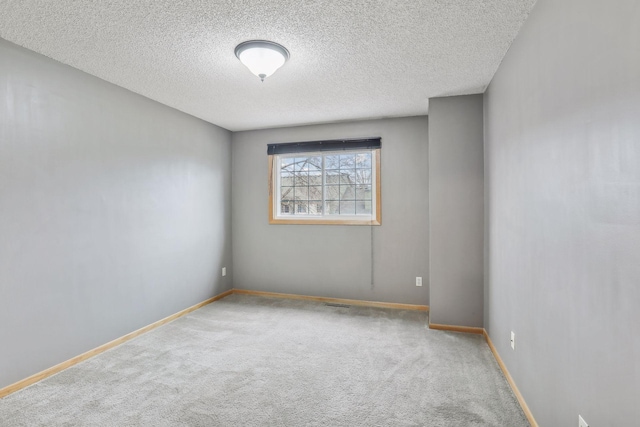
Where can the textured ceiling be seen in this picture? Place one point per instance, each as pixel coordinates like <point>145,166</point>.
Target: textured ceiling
<point>349,59</point>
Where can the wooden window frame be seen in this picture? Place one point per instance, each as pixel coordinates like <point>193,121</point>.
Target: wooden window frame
<point>376,218</point>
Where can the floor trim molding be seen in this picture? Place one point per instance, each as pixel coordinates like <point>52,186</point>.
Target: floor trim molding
<point>12,388</point>
<point>523,404</point>
<point>455,328</point>
<point>333,300</point>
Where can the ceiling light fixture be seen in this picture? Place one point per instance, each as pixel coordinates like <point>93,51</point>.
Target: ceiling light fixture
<point>262,57</point>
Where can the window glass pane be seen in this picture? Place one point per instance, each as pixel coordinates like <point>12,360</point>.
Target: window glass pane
<point>315,207</point>
<point>363,192</point>
<point>363,176</point>
<point>286,207</point>
<point>332,208</point>
<point>315,163</point>
<point>301,164</point>
<point>347,208</point>
<point>315,193</point>
<point>332,192</point>
<point>332,161</point>
<point>347,176</point>
<point>347,192</point>
<point>301,208</point>
<point>302,193</point>
<point>315,178</point>
<point>286,193</point>
<point>333,176</point>
<point>363,207</point>
<point>287,164</point>
<point>301,179</point>
<point>286,179</point>
<point>363,160</point>
<point>347,161</point>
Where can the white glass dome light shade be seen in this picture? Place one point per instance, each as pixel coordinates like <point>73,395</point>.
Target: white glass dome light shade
<point>262,57</point>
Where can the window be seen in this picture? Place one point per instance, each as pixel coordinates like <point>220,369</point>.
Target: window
<point>325,182</point>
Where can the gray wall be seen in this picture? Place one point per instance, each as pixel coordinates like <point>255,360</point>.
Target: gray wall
<point>114,212</point>
<point>456,210</point>
<point>562,123</point>
<point>335,261</point>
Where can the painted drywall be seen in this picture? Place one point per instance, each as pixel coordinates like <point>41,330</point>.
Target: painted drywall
<point>563,190</point>
<point>456,210</point>
<point>114,212</point>
<point>336,260</point>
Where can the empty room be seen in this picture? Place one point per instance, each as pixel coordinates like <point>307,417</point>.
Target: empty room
<point>320,213</point>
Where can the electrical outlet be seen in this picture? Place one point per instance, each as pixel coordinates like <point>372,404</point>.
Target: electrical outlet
<point>513,340</point>
<point>224,271</point>
<point>418,281</point>
<point>582,422</point>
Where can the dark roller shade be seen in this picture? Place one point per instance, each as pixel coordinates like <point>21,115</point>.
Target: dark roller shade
<point>330,145</point>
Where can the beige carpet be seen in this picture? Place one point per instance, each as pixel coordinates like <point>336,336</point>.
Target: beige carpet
<point>251,361</point>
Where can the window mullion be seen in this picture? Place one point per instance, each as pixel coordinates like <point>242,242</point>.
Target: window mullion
<point>324,204</point>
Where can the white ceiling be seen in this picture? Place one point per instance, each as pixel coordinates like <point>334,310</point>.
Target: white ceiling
<point>349,59</point>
